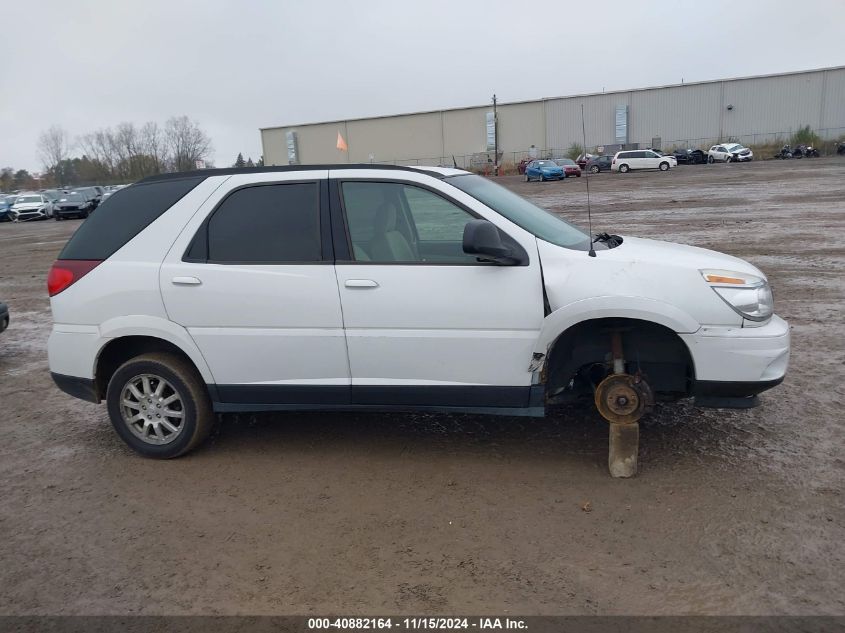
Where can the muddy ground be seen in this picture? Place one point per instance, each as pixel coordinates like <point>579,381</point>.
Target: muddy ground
<point>733,512</point>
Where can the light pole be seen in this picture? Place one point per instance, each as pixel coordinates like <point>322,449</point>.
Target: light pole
<point>495,138</point>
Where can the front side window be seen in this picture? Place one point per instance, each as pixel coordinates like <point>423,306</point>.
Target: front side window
<point>397,222</point>
<point>267,224</point>
<point>521,212</point>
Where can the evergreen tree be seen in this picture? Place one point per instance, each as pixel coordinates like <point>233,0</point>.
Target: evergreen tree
<point>240,161</point>
<point>249,162</point>
<point>260,162</point>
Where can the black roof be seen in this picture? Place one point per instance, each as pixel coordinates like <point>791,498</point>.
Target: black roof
<point>228,171</point>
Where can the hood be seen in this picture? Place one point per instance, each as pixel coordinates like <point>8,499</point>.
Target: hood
<point>682,255</point>
<point>27,206</point>
<point>658,273</point>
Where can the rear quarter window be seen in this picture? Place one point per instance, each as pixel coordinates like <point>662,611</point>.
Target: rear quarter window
<point>128,212</point>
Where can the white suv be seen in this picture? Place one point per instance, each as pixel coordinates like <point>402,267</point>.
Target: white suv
<point>641,159</point>
<point>387,288</point>
<point>729,153</point>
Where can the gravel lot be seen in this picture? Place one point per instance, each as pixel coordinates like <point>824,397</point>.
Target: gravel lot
<point>736,512</point>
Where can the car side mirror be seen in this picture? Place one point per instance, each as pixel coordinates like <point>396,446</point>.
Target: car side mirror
<point>482,238</point>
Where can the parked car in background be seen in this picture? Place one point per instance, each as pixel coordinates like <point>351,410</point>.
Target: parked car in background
<point>583,159</point>
<point>91,194</point>
<point>4,316</point>
<point>543,170</point>
<point>520,168</point>
<point>73,204</point>
<point>641,159</point>
<point>31,206</point>
<point>569,166</point>
<point>6,202</point>
<point>599,163</point>
<point>690,156</point>
<point>53,194</point>
<point>729,153</point>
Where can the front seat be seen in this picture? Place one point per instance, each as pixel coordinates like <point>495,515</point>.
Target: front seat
<point>389,244</point>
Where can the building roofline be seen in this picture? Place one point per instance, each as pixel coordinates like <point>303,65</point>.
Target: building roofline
<point>541,99</point>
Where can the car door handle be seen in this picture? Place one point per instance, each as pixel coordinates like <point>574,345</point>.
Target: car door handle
<point>186,281</point>
<point>360,283</point>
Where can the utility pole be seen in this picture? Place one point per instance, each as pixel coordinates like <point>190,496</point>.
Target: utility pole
<point>495,138</point>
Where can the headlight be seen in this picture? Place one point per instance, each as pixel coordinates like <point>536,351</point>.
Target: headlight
<point>748,295</point>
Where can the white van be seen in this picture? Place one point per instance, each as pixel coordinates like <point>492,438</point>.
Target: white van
<point>361,287</point>
<point>624,162</point>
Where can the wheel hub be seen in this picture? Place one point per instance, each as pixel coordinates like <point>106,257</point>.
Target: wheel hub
<point>623,399</point>
<point>152,409</point>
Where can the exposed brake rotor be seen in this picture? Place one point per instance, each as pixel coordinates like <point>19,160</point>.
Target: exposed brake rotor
<point>623,398</point>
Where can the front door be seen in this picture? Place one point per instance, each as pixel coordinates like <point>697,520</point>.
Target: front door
<point>257,292</point>
<point>427,324</point>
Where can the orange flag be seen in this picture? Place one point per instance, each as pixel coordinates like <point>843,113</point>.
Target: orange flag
<point>341,144</point>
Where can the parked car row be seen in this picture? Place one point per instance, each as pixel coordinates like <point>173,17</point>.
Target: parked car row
<point>59,204</point>
<point>648,158</point>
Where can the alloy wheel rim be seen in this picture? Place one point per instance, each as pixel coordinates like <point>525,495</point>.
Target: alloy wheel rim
<point>152,409</point>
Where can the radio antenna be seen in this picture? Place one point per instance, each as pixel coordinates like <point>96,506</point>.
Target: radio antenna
<point>591,252</point>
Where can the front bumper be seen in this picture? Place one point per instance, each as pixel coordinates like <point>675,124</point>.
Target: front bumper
<point>743,159</point>
<point>739,362</point>
<point>23,216</point>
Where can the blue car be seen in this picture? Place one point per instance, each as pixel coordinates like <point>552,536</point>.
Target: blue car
<point>543,170</point>
<point>6,203</point>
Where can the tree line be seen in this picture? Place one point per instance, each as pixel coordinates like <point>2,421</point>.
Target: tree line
<point>124,153</point>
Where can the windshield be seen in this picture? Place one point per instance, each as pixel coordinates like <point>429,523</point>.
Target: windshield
<point>734,147</point>
<point>74,197</point>
<point>28,199</point>
<point>544,163</point>
<point>524,214</point>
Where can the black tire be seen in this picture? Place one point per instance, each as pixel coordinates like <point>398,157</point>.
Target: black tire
<point>595,169</point>
<point>711,160</point>
<point>83,215</point>
<point>197,415</point>
<point>57,217</point>
<point>664,166</point>
<point>729,159</point>
<point>624,169</point>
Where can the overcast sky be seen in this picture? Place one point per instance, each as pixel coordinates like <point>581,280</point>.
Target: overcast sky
<point>235,66</point>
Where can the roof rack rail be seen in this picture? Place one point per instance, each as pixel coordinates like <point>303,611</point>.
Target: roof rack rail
<point>228,171</point>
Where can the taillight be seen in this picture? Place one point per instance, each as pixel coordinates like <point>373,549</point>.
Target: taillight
<point>66,272</point>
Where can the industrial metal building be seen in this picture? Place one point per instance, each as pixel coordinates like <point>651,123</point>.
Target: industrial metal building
<point>750,110</point>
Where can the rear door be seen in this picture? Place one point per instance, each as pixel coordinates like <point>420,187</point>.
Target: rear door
<point>427,324</point>
<point>252,279</point>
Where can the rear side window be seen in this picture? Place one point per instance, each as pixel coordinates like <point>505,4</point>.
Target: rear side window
<point>264,224</point>
<point>129,211</point>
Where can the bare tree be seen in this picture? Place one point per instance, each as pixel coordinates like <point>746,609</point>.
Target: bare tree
<point>152,144</point>
<point>186,143</point>
<point>53,148</point>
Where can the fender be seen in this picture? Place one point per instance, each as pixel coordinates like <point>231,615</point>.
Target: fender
<point>156,327</point>
<point>613,306</point>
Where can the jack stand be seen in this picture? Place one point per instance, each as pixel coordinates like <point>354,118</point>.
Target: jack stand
<point>623,447</point>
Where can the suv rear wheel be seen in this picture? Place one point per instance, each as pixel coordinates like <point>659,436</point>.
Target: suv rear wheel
<point>664,166</point>
<point>624,168</point>
<point>159,405</point>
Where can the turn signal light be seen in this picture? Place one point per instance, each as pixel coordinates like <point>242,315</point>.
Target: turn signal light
<point>66,272</point>
<point>721,279</point>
